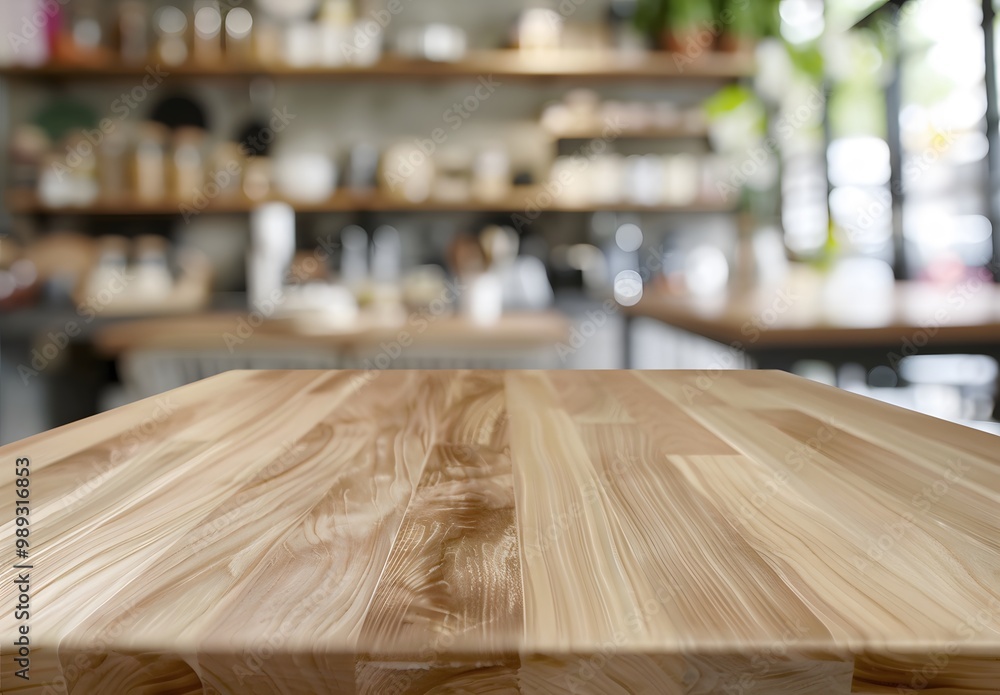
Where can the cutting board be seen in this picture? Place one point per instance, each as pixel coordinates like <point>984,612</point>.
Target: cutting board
<point>507,532</point>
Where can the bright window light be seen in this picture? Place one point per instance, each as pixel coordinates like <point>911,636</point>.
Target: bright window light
<point>862,161</point>
<point>801,20</point>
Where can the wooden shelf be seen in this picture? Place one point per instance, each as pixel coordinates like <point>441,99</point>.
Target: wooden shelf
<point>599,132</point>
<point>510,64</point>
<point>27,203</point>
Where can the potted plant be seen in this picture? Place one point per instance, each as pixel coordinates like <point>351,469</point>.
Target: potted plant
<point>734,25</point>
<point>745,22</point>
<point>740,28</point>
<point>674,24</point>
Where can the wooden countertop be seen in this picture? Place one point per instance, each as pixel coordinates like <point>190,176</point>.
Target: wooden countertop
<point>509,532</point>
<point>804,315</point>
<point>210,331</point>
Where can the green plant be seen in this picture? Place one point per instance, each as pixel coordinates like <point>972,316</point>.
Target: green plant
<point>770,20</point>
<point>651,16</point>
<point>749,18</point>
<point>654,16</point>
<point>738,103</point>
<point>729,99</point>
<point>684,14</point>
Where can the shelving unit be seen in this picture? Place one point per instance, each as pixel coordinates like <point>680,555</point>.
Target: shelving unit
<point>520,201</point>
<point>530,75</point>
<point>562,69</point>
<point>499,64</point>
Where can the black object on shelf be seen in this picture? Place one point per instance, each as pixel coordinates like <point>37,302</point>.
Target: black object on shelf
<point>180,112</point>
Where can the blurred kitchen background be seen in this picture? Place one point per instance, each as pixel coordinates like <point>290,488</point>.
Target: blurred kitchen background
<point>193,186</point>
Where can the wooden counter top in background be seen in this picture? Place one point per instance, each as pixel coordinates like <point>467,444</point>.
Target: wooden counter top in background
<point>209,331</point>
<point>802,315</point>
<point>521,532</point>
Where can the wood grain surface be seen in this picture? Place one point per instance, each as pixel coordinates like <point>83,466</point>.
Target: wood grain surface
<point>507,532</point>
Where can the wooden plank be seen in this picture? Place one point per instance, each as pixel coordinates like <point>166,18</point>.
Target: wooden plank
<point>668,425</point>
<point>448,607</point>
<point>295,622</point>
<point>941,498</point>
<point>152,512</point>
<point>586,400</point>
<point>925,440</point>
<point>613,532</point>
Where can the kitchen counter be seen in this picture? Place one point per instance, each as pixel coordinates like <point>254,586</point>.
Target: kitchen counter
<point>507,532</point>
<point>807,315</point>
<point>235,332</point>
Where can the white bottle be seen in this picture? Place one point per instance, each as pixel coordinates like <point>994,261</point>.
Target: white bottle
<point>335,22</point>
<point>272,233</point>
<point>24,26</point>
